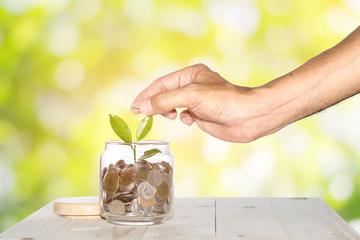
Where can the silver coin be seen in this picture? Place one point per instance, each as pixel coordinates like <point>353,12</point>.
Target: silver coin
<point>133,208</point>
<point>117,207</point>
<point>158,209</point>
<point>145,190</point>
<point>168,179</point>
<point>126,188</point>
<point>167,208</point>
<point>158,206</point>
<point>170,198</point>
<point>125,198</point>
<point>154,177</point>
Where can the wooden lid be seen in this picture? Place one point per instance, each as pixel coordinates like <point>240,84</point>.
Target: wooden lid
<point>77,206</point>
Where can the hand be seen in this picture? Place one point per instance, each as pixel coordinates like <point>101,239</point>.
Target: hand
<point>242,114</point>
<point>212,102</point>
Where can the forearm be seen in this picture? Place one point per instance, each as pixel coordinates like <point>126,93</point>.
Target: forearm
<point>321,82</point>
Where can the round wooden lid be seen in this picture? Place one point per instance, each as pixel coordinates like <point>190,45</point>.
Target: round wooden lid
<point>77,206</point>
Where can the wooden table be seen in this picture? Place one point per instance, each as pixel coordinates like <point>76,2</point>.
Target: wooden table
<point>202,218</point>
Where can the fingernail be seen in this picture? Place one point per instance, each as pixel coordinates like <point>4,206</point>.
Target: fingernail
<point>186,121</point>
<point>135,109</point>
<point>170,115</point>
<point>145,107</point>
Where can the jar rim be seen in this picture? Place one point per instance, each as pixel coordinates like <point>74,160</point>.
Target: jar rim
<point>142,142</point>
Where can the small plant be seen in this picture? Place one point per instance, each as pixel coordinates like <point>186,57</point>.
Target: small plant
<point>123,131</point>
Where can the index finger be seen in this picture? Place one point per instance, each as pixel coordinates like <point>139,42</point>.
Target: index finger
<point>168,82</point>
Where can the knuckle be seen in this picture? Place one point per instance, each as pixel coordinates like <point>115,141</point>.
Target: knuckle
<point>159,102</point>
<point>200,67</point>
<point>195,90</point>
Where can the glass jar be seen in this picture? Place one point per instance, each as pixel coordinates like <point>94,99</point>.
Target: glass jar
<point>136,192</point>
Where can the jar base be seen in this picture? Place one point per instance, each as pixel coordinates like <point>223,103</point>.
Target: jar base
<point>136,221</point>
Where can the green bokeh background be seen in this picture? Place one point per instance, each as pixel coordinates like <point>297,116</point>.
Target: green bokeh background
<point>64,65</point>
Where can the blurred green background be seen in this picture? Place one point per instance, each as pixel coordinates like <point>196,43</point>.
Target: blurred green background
<point>64,65</point>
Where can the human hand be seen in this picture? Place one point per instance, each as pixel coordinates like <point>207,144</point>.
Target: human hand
<point>215,105</point>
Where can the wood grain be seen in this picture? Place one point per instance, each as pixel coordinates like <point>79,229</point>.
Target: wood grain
<point>201,218</point>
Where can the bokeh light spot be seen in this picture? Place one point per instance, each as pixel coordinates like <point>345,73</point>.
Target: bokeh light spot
<point>341,21</point>
<point>190,22</point>
<point>215,150</point>
<point>341,187</point>
<point>277,7</point>
<point>331,160</point>
<point>279,39</point>
<point>248,180</point>
<point>86,9</point>
<point>242,16</point>
<point>52,109</point>
<point>63,39</point>
<point>186,187</point>
<point>69,74</point>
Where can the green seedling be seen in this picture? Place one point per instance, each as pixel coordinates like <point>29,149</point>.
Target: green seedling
<point>123,131</point>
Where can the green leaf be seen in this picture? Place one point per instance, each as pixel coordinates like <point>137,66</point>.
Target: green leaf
<point>120,128</point>
<point>144,127</point>
<point>149,153</point>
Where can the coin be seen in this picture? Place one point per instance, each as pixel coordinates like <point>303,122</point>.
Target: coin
<point>145,190</point>
<point>103,173</point>
<point>168,179</point>
<point>146,203</point>
<point>126,188</point>
<point>170,198</point>
<point>127,175</point>
<point>167,208</point>
<point>111,181</point>
<point>158,206</point>
<point>117,207</point>
<point>142,172</point>
<point>144,163</point>
<point>125,198</point>
<point>159,167</point>
<point>154,177</point>
<point>162,191</point>
<point>168,168</point>
<point>133,206</point>
<point>120,164</point>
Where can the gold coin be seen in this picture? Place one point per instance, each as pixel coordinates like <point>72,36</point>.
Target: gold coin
<point>111,181</point>
<point>142,173</point>
<point>117,207</point>
<point>159,167</point>
<point>168,168</point>
<point>147,203</point>
<point>120,164</point>
<point>162,191</point>
<point>127,176</point>
<point>103,173</point>
<point>154,177</point>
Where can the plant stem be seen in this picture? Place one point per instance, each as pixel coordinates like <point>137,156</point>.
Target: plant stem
<point>134,150</point>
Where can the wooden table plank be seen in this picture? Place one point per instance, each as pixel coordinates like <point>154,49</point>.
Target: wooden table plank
<point>248,218</point>
<point>194,219</point>
<point>201,218</point>
<point>311,218</point>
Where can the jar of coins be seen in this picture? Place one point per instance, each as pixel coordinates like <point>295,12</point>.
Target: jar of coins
<point>136,182</point>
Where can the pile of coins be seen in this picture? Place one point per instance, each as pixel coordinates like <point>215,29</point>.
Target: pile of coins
<point>144,189</point>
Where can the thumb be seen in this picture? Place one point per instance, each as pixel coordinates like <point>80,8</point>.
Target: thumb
<point>163,102</point>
